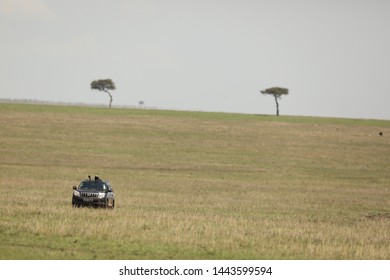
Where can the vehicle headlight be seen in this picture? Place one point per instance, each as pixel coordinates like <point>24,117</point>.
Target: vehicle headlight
<point>102,195</point>
<point>76,193</point>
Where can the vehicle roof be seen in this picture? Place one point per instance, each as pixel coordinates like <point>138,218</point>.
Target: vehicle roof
<point>94,184</point>
<point>92,180</point>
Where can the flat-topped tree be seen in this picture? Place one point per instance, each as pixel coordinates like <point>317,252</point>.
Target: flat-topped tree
<point>104,85</point>
<point>277,93</point>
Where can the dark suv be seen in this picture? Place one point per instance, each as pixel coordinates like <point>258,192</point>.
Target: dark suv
<point>93,193</point>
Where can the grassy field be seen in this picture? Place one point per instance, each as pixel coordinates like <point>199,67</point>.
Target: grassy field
<point>193,185</point>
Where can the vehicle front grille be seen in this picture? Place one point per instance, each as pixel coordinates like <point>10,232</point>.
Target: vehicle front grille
<point>91,195</point>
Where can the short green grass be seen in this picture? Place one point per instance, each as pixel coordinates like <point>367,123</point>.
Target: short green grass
<point>193,185</point>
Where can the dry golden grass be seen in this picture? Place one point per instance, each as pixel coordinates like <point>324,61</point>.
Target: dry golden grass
<point>193,185</point>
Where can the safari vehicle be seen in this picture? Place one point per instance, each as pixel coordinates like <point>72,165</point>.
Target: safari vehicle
<point>97,193</point>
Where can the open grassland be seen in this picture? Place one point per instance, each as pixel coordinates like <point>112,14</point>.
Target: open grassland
<point>193,185</point>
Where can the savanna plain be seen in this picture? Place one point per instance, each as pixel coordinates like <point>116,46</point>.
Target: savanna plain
<point>193,185</point>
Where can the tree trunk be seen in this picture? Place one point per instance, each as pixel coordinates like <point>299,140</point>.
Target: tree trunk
<point>277,105</point>
<point>109,94</point>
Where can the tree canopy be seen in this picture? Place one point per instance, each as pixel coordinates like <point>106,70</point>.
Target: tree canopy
<point>277,92</point>
<point>104,85</point>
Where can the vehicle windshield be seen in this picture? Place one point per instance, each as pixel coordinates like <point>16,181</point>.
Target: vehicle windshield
<point>93,185</point>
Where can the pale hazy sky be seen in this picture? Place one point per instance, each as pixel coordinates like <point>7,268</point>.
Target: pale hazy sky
<point>203,55</point>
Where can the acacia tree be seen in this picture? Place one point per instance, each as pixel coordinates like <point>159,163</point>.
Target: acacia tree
<point>277,93</point>
<point>104,85</point>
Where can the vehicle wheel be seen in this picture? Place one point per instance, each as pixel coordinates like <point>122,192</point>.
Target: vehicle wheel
<point>110,204</point>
